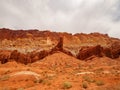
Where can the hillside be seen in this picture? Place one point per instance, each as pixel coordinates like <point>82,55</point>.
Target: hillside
<point>45,60</point>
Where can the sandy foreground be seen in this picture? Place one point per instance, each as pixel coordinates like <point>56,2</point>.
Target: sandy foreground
<point>61,72</point>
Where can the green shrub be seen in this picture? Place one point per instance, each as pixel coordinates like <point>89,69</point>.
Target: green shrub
<point>88,79</point>
<point>85,85</point>
<point>5,88</point>
<point>99,83</point>
<point>38,80</point>
<point>20,89</point>
<point>67,85</point>
<point>5,77</point>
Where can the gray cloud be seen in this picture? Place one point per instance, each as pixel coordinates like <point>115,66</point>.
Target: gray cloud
<point>73,16</point>
<point>116,12</point>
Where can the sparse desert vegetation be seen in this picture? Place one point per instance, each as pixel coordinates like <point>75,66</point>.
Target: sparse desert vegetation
<point>85,85</point>
<point>67,85</point>
<point>4,78</point>
<point>99,83</point>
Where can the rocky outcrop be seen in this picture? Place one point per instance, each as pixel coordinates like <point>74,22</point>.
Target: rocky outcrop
<point>107,52</point>
<point>86,52</point>
<point>19,57</point>
<point>59,46</point>
<point>115,49</point>
<point>14,34</point>
<point>28,46</point>
<point>34,56</point>
<point>27,58</point>
<point>98,51</point>
<point>4,56</point>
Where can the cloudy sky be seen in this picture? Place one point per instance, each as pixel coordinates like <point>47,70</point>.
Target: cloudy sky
<point>72,16</point>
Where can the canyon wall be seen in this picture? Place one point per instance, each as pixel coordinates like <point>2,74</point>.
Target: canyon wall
<point>28,46</point>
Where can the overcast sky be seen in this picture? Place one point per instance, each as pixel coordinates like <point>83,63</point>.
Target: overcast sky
<point>74,16</point>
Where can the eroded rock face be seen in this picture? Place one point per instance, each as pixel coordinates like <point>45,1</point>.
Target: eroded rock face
<point>59,46</point>
<point>28,46</point>
<point>98,51</point>
<point>4,56</point>
<point>19,57</point>
<point>115,49</point>
<point>86,52</point>
<point>38,55</point>
<point>107,52</point>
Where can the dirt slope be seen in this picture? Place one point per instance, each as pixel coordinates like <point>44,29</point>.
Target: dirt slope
<point>59,72</point>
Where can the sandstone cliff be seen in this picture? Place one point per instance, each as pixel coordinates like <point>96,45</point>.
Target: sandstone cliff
<point>27,46</point>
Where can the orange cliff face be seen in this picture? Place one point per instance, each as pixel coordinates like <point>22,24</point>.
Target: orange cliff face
<point>27,46</point>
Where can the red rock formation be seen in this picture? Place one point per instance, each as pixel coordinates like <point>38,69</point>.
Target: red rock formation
<point>116,49</point>
<point>87,52</point>
<point>23,58</point>
<point>19,57</point>
<point>107,52</point>
<point>4,56</point>
<point>27,58</point>
<point>113,51</point>
<point>14,34</point>
<point>19,41</point>
<point>38,55</point>
<point>59,46</point>
<point>14,55</point>
<point>98,51</point>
